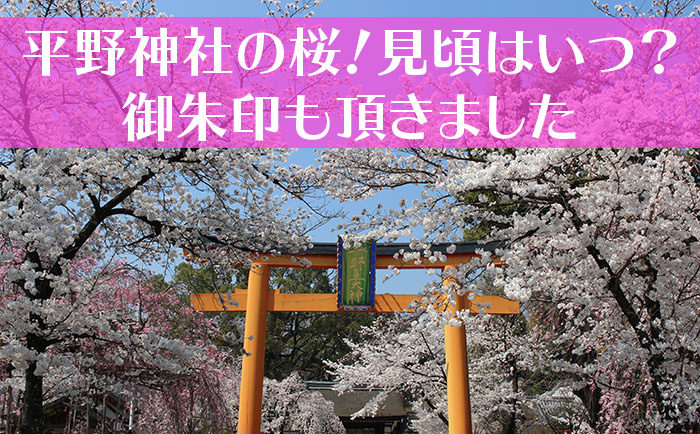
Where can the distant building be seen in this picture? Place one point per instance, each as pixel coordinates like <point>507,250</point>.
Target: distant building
<point>542,416</point>
<point>392,417</point>
<point>107,415</point>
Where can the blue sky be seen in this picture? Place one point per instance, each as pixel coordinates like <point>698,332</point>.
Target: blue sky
<point>407,281</point>
<point>392,8</point>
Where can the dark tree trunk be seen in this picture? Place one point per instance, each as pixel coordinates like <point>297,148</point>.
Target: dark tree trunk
<point>8,420</point>
<point>104,413</point>
<point>590,396</point>
<point>33,399</point>
<point>33,408</point>
<point>511,427</point>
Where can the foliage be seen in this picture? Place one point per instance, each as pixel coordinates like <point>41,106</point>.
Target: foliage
<point>301,342</point>
<point>296,341</point>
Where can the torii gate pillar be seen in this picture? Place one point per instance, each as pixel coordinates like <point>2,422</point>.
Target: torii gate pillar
<point>458,402</point>
<point>252,371</point>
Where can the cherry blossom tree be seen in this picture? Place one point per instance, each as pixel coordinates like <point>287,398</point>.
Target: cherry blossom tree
<point>61,208</point>
<point>65,205</point>
<point>116,333</point>
<point>289,406</point>
<point>406,354</point>
<point>657,8</point>
<point>602,242</point>
<point>139,8</point>
<point>606,239</point>
<point>208,401</point>
<point>205,396</point>
<point>97,8</point>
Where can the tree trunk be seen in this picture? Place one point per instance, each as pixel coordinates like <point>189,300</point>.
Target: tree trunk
<point>5,405</point>
<point>590,396</point>
<point>33,399</point>
<point>104,412</point>
<point>33,408</point>
<point>513,416</point>
<point>88,407</point>
<point>8,421</point>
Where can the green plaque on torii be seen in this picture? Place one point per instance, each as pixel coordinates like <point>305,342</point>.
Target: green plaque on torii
<point>356,276</point>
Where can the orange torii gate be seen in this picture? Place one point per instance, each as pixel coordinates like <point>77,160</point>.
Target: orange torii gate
<point>258,300</point>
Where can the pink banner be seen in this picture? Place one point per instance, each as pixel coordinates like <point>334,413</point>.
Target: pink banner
<point>349,82</point>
